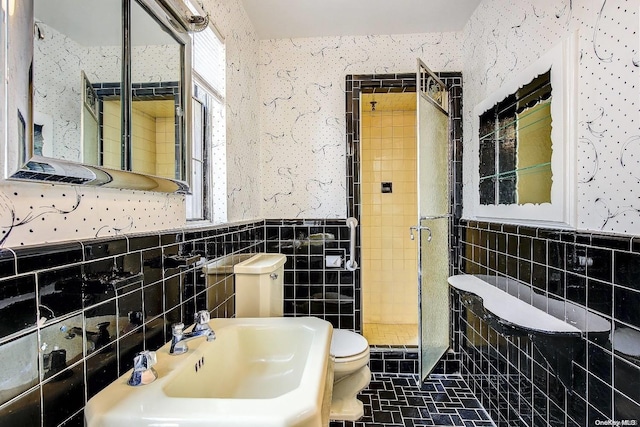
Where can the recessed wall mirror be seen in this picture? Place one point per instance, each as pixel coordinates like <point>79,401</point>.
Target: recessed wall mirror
<point>515,146</point>
<point>110,83</point>
<point>525,134</point>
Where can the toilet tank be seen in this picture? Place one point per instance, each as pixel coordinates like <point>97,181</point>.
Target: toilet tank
<point>260,286</point>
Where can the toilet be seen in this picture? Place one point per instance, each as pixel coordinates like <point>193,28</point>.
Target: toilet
<point>260,293</point>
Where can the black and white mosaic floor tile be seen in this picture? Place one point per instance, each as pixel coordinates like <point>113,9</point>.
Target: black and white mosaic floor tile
<point>397,401</point>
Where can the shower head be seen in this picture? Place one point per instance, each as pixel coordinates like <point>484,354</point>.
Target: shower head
<point>373,105</point>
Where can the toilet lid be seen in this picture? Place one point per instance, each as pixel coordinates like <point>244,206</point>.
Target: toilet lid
<point>346,343</point>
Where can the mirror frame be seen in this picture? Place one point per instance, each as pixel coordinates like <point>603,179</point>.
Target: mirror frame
<point>561,212</point>
<point>27,167</point>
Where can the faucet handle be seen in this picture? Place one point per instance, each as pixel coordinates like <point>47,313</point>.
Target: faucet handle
<point>177,328</point>
<point>143,373</point>
<point>202,317</point>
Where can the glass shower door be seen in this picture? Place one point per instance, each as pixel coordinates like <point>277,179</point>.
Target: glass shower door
<point>433,218</point>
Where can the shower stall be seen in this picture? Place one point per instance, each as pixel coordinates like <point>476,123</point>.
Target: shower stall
<point>405,216</point>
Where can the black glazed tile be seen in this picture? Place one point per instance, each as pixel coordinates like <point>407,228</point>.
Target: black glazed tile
<point>539,277</point>
<point>171,238</point>
<point>627,378</point>
<point>18,304</point>
<point>130,312</point>
<point>599,396</point>
<point>524,247</point>
<point>104,248</point>
<point>152,265</point>
<point>154,334</point>
<point>137,243</point>
<point>172,292</point>
<point>577,409</point>
<point>611,242</point>
<point>600,297</point>
<point>555,282</point>
<point>102,370</point>
<point>626,306</point>
<point>25,411</point>
<point>626,269</point>
<point>625,408</point>
<point>60,291</point>
<point>129,263</point>
<point>556,254</point>
<point>153,300</point>
<point>7,263</point>
<point>47,256</point>
<point>600,363</point>
<point>95,270</point>
<point>599,264</point>
<point>63,395</point>
<point>540,251</point>
<point>101,323</point>
<point>576,288</point>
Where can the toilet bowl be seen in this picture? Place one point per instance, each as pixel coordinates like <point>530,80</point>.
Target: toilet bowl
<point>351,374</point>
<point>260,293</point>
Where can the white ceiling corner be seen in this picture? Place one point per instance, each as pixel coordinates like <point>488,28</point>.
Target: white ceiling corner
<point>278,19</point>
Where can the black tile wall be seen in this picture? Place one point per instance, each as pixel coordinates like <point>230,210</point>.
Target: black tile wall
<point>509,375</point>
<point>311,288</point>
<point>73,315</point>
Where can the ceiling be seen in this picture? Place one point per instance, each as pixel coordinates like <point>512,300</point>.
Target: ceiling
<point>98,22</point>
<point>278,19</point>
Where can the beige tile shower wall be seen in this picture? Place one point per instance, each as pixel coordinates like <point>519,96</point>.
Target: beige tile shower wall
<point>389,257</point>
<point>165,147</point>
<point>111,134</point>
<point>143,143</point>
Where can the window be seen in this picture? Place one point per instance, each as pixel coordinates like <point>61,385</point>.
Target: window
<point>208,200</point>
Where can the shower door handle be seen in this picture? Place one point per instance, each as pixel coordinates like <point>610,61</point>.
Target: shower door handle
<point>418,228</point>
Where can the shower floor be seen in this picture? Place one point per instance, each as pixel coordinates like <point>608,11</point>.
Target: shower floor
<point>391,334</point>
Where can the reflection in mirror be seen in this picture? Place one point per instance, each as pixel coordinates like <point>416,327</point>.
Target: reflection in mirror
<point>156,75</point>
<point>82,51</point>
<point>71,56</point>
<point>516,146</point>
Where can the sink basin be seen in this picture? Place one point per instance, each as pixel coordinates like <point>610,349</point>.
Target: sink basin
<point>262,371</point>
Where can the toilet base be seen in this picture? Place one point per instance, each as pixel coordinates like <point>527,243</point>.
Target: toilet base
<point>344,404</point>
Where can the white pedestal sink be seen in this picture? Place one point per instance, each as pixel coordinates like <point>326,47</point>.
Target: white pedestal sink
<point>258,372</point>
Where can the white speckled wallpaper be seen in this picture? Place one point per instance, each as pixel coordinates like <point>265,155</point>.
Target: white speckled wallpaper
<point>302,111</point>
<point>38,213</point>
<point>504,36</point>
<point>243,151</point>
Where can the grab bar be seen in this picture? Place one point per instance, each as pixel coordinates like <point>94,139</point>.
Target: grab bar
<point>351,264</point>
<point>428,217</point>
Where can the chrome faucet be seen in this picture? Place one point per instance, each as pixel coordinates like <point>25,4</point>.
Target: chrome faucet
<point>200,329</point>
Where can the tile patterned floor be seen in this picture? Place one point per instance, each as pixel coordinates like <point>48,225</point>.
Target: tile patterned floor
<point>391,334</point>
<point>396,401</point>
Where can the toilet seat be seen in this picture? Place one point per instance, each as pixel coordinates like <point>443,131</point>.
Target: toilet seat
<point>347,345</point>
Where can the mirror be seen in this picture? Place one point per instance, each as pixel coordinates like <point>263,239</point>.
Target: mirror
<point>84,130</point>
<point>515,146</point>
<point>525,143</point>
